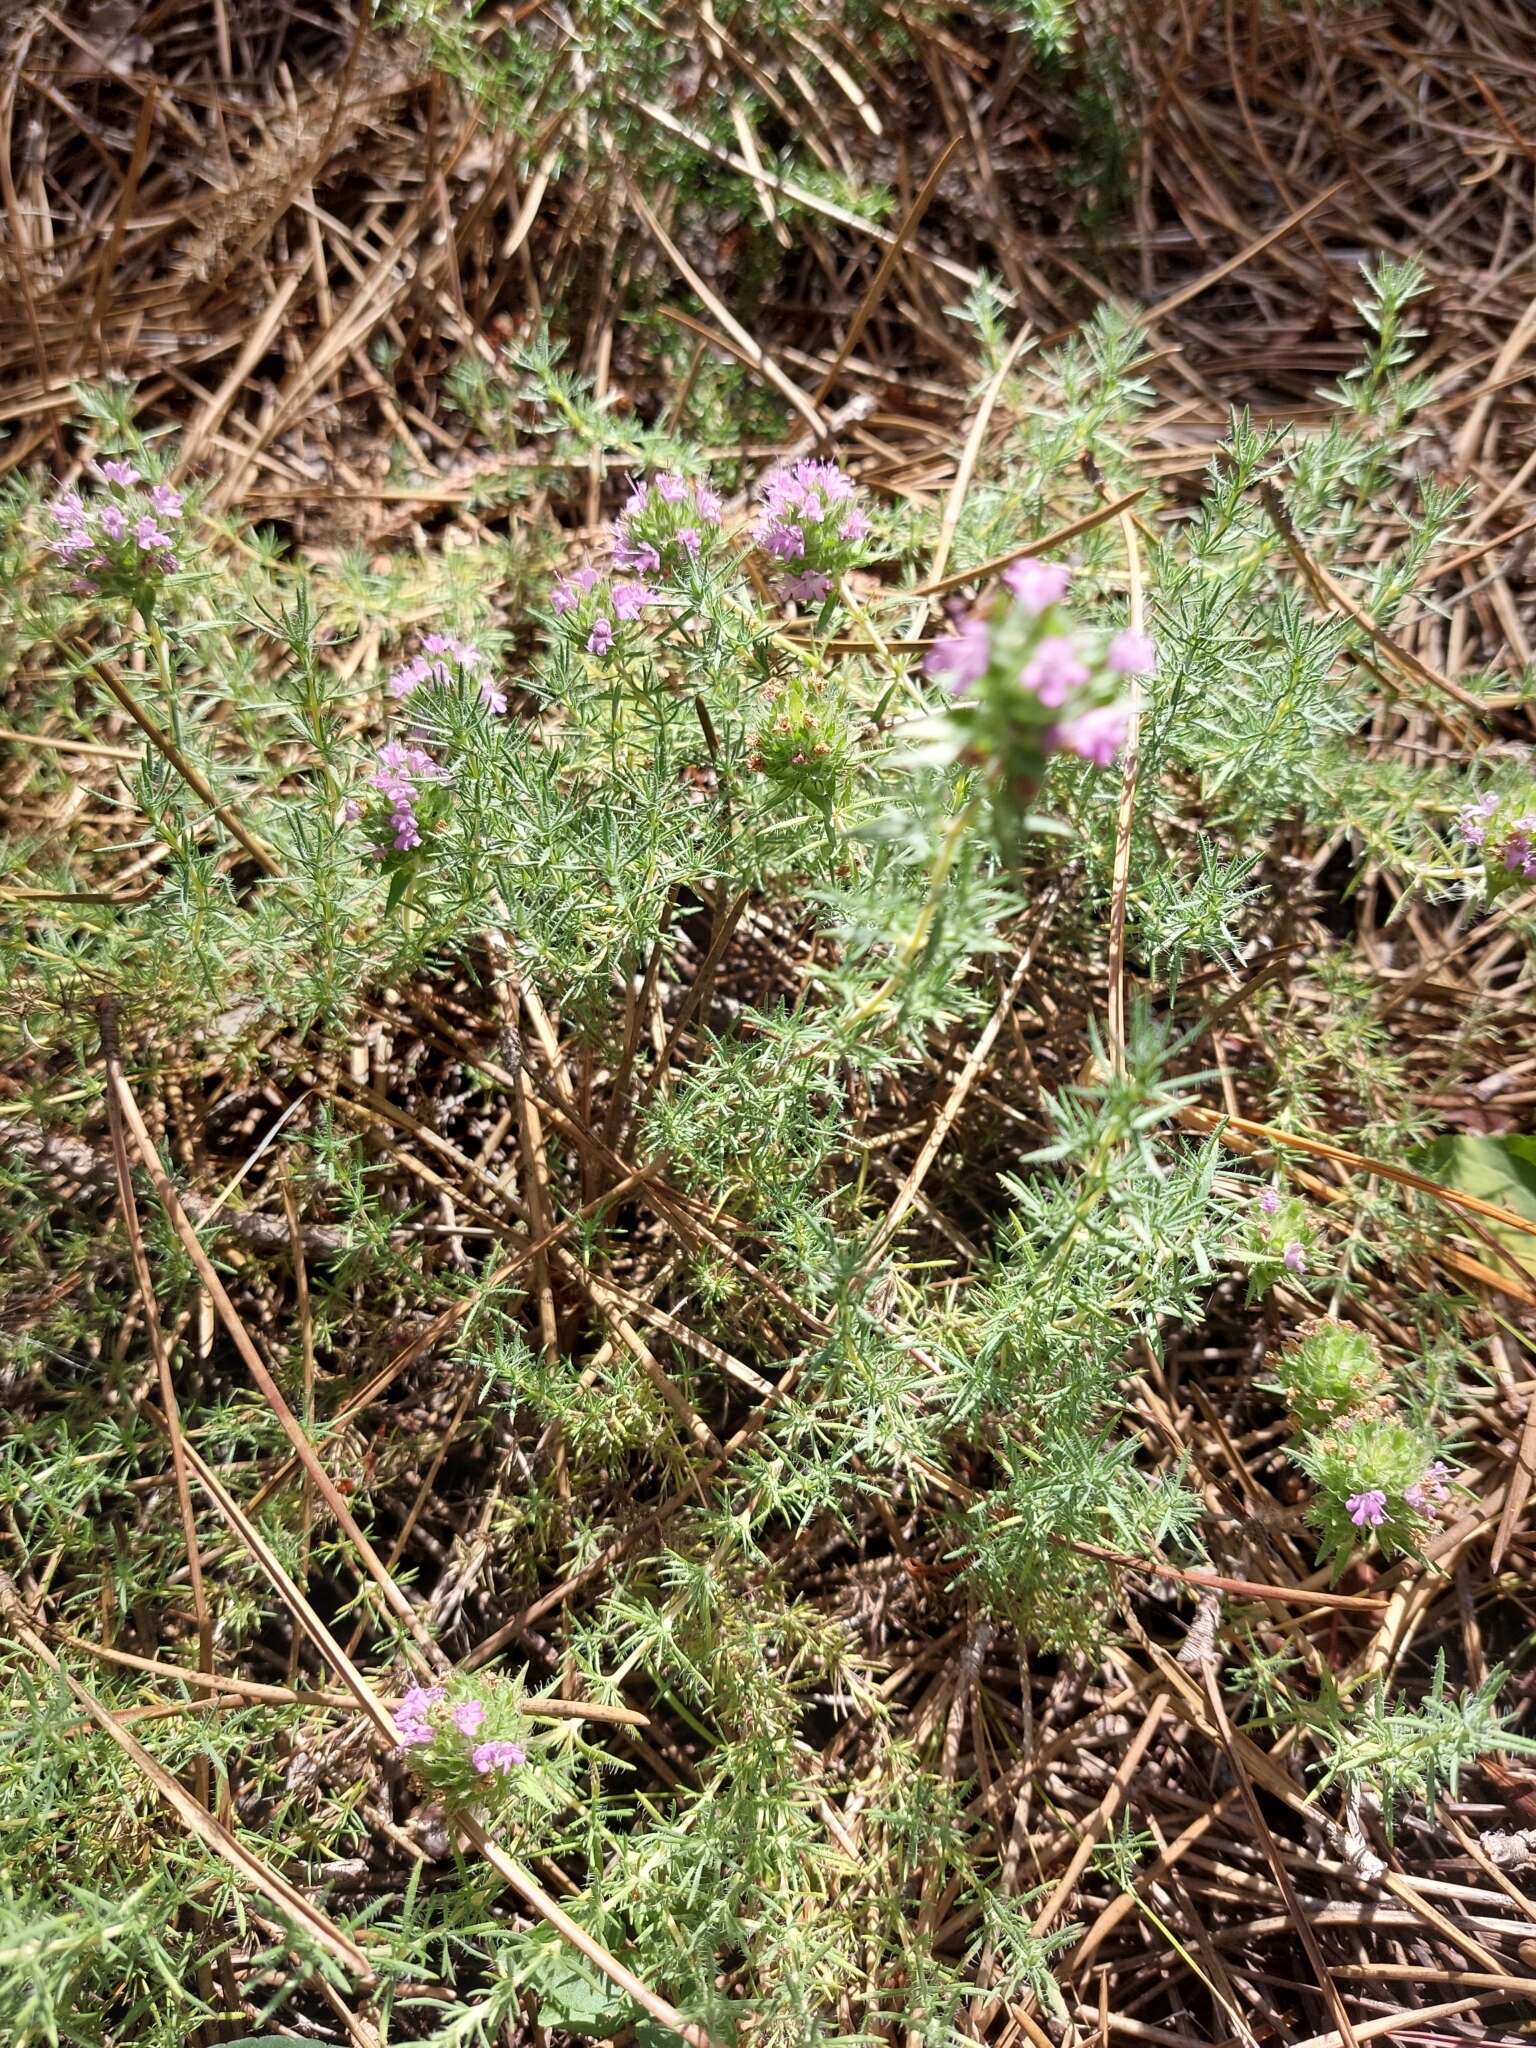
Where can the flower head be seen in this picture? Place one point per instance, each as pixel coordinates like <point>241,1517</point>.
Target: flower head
<point>964,657</point>
<point>1131,653</point>
<point>401,767</point>
<point>637,555</point>
<point>567,595</point>
<point>468,1715</point>
<point>1096,735</point>
<point>1430,1492</point>
<point>600,639</point>
<point>1269,1201</point>
<point>1037,585</point>
<point>117,539</point>
<point>1518,852</point>
<point>1367,1510</point>
<point>411,1724</point>
<point>808,514</point>
<point>443,660</point>
<point>489,1757</point>
<point>664,525</point>
<point>1473,822</point>
<point>1054,670</point>
<point>1295,1256</point>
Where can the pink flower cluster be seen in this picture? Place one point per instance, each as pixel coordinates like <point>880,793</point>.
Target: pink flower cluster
<point>666,522</point>
<point>442,660</point>
<point>416,1730</point>
<point>1518,852</point>
<point>596,607</point>
<point>1057,670</point>
<point>1368,1509</point>
<point>1295,1252</point>
<point>1430,1493</point>
<point>120,539</point>
<point>402,767</point>
<point>808,514</point>
<point>1513,851</point>
<point>1473,822</point>
<point>411,1723</point>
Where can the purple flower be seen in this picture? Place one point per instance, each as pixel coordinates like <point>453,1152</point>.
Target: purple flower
<point>1367,1510</point>
<point>662,523</point>
<point>409,676</point>
<point>809,587</point>
<point>468,1715</point>
<point>1036,584</point>
<point>1097,735</point>
<point>1295,1256</point>
<point>1473,822</point>
<point>1431,1491</point>
<point>411,1723</point>
<point>352,809</point>
<point>1519,855</point>
<point>781,540</point>
<point>797,518</point>
<point>963,657</point>
<point>118,541</point>
<point>444,657</point>
<point>1131,653</point>
<point>496,1756</point>
<point>1269,1201</point>
<point>630,599</point>
<point>1053,671</point>
<point>401,766</point>
<point>637,555</point>
<point>600,639</point>
<point>568,595</point>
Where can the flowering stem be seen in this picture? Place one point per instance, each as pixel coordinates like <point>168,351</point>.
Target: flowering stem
<point>917,938</point>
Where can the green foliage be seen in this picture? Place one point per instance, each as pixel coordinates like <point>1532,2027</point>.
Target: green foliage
<point>1401,1750</point>
<point>716,839</point>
